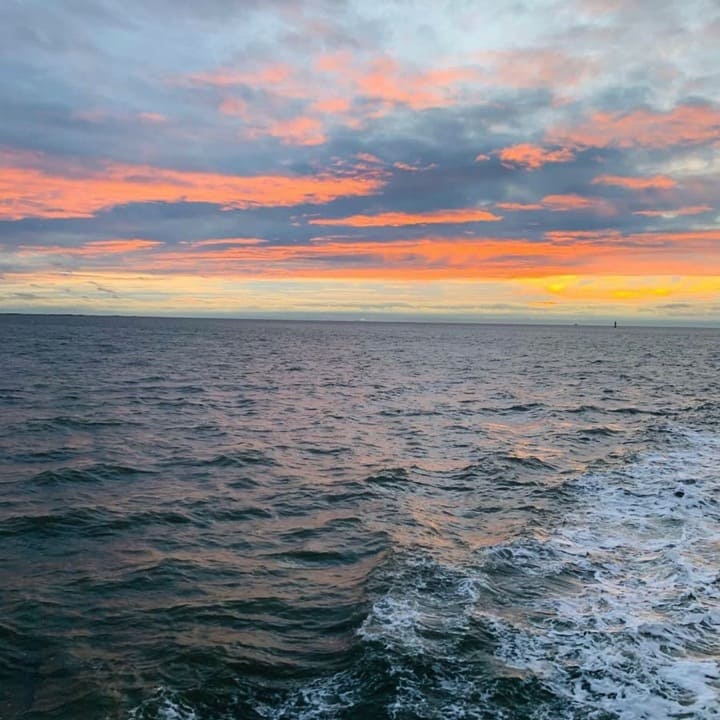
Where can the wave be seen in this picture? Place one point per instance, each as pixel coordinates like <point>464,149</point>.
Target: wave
<point>614,613</point>
<point>100,472</point>
<point>88,521</point>
<point>640,639</point>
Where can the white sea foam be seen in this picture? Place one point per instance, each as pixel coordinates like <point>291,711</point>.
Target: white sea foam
<point>640,641</point>
<point>163,705</point>
<point>414,617</point>
<point>615,611</point>
<point>325,698</point>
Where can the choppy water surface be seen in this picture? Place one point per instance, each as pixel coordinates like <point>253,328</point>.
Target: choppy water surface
<point>264,520</point>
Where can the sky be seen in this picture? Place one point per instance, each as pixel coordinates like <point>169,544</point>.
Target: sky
<point>528,160</point>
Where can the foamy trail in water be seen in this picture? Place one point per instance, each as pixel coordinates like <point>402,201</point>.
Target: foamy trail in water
<point>639,640</point>
<point>614,613</point>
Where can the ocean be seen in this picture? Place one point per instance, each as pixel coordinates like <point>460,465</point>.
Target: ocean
<point>266,520</point>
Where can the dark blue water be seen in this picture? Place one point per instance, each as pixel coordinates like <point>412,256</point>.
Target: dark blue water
<point>224,519</point>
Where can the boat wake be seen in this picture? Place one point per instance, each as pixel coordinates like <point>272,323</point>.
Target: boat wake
<point>614,613</point>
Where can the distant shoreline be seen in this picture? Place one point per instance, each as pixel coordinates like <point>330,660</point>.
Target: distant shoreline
<point>608,324</point>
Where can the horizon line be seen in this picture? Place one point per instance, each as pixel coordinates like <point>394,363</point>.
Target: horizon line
<point>690,324</point>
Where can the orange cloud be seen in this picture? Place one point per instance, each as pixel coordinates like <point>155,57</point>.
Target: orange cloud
<point>519,206</point>
<point>434,258</point>
<point>533,157</point>
<point>35,192</point>
<point>570,202</point>
<point>562,203</point>
<point>381,85</point>
<point>384,82</point>
<point>391,85</point>
<point>331,105</point>
<point>269,75</point>
<point>685,124</point>
<point>534,68</point>
<point>584,237</point>
<point>96,248</point>
<point>332,62</point>
<point>431,258</point>
<point>152,117</point>
<point>397,219</point>
<point>298,131</point>
<point>677,212</point>
<point>98,115</point>
<point>301,130</point>
<point>368,158</point>
<point>235,106</point>
<point>413,168</point>
<point>657,182</point>
<point>214,242</point>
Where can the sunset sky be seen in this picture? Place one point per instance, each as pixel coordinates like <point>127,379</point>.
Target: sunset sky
<point>529,160</point>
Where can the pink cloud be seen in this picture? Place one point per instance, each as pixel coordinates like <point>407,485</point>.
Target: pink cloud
<point>331,106</point>
<point>533,157</point>
<point>235,106</point>
<point>268,75</point>
<point>236,241</point>
<point>571,202</point>
<point>657,182</point>
<point>676,212</point>
<point>298,131</point>
<point>152,117</point>
<point>527,68</point>
<point>519,206</point>
<point>588,252</point>
<point>369,158</point>
<point>684,125</point>
<point>27,189</point>
<point>563,203</point>
<point>96,248</point>
<point>397,219</point>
